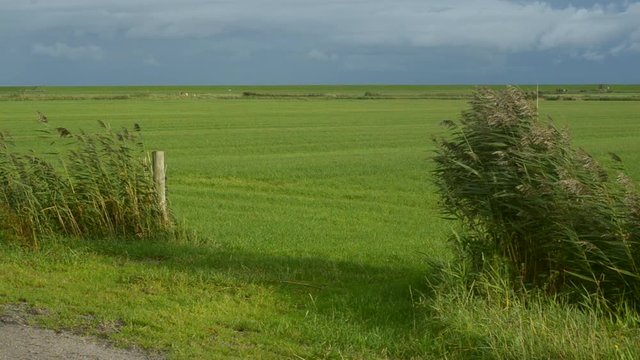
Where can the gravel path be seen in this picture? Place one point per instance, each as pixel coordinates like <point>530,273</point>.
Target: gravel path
<point>19,341</point>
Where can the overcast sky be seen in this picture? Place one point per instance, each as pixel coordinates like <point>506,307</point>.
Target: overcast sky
<point>111,42</point>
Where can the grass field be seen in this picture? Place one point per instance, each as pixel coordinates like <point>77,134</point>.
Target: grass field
<point>315,220</point>
<point>553,92</point>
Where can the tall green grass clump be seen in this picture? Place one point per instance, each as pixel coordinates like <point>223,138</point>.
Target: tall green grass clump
<point>490,318</point>
<point>525,197</point>
<point>95,185</point>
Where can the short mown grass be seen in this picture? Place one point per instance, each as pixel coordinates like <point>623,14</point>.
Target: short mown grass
<point>315,222</point>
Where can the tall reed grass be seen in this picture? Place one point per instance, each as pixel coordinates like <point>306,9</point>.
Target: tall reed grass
<point>96,185</point>
<point>524,195</point>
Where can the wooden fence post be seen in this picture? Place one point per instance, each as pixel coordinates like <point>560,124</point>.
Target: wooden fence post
<point>159,178</point>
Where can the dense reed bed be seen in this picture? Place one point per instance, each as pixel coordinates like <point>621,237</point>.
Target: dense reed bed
<point>90,185</point>
<point>526,197</point>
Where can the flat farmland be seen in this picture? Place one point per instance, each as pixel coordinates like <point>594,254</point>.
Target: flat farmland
<point>313,211</point>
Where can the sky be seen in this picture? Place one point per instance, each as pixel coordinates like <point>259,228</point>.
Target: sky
<point>244,42</point>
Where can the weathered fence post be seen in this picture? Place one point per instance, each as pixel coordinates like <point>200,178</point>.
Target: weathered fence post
<point>159,178</point>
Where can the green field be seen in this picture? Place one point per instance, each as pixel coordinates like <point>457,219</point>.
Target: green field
<point>553,92</point>
<point>315,218</point>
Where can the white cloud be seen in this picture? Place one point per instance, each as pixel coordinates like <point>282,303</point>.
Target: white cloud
<point>62,50</point>
<point>498,25</point>
<point>594,56</point>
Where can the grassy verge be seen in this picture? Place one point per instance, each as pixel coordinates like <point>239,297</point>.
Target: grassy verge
<point>191,303</point>
<point>488,320</point>
<point>208,302</point>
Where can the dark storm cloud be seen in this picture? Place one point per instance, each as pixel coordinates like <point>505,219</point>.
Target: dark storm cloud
<point>334,40</point>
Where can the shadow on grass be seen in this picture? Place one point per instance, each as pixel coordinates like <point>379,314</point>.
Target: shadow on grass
<point>387,306</point>
<point>341,304</point>
<point>375,295</point>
